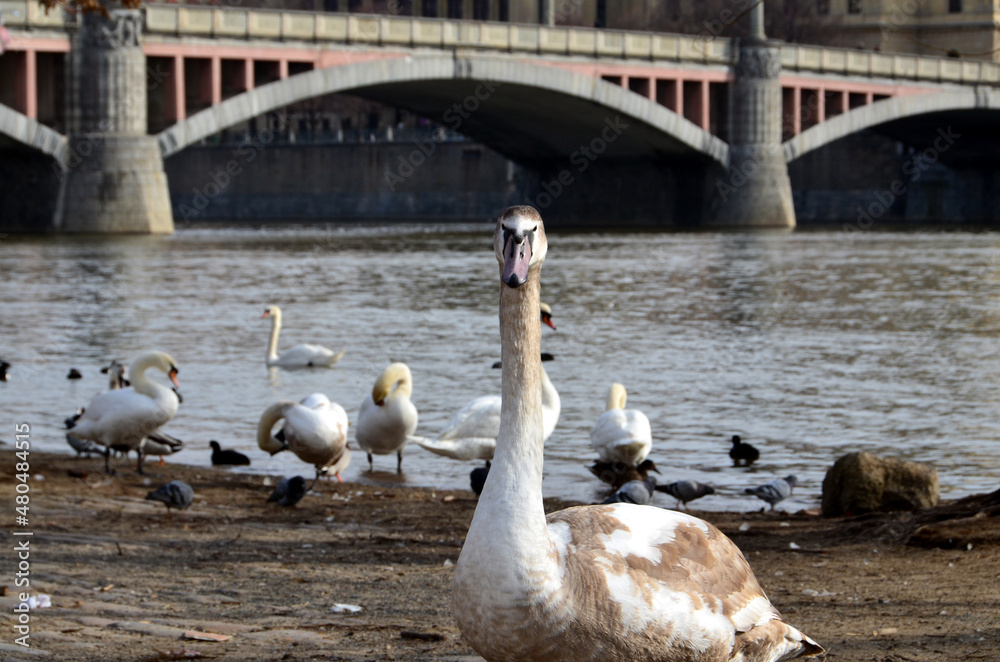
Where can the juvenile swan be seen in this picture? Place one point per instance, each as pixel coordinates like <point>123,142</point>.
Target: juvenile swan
<point>613,583</point>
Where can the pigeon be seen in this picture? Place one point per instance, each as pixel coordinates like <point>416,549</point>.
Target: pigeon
<point>639,492</point>
<point>83,446</point>
<point>288,491</point>
<point>175,494</point>
<point>74,374</point>
<point>227,457</point>
<point>686,490</point>
<point>774,491</point>
<point>617,474</point>
<point>477,478</point>
<point>743,454</point>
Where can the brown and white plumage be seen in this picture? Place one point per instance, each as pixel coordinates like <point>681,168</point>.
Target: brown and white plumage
<point>611,582</point>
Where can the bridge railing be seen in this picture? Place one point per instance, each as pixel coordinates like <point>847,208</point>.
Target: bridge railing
<point>28,14</point>
<point>888,65</point>
<point>412,32</point>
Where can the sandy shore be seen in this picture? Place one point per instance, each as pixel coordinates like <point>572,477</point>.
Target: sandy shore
<point>127,582</point>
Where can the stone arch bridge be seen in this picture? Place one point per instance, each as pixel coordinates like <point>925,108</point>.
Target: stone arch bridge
<point>670,107</point>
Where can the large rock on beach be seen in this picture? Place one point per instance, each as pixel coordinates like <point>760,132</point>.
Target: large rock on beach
<point>862,482</point>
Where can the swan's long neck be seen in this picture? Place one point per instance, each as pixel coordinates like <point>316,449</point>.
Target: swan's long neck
<point>143,384</point>
<point>272,344</point>
<point>508,539</point>
<point>404,386</point>
<point>271,415</point>
<point>550,396</point>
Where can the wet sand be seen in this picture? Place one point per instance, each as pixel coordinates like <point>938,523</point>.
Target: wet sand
<point>129,582</point>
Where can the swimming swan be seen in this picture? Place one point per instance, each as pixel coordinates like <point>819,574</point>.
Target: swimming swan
<point>300,356</point>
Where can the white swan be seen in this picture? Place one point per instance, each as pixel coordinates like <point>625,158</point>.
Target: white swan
<point>314,429</point>
<point>124,417</point>
<point>472,433</point>
<point>621,435</point>
<point>300,356</point>
<point>387,417</point>
<point>610,582</point>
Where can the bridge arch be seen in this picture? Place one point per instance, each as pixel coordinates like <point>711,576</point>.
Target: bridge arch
<point>516,102</point>
<point>26,131</point>
<point>888,110</point>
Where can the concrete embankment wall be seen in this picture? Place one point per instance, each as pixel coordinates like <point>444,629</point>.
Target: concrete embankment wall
<point>436,181</point>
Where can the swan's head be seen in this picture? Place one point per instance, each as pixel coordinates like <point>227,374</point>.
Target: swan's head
<point>395,373</point>
<point>519,243</point>
<point>546,310</point>
<point>272,311</point>
<point>159,360</point>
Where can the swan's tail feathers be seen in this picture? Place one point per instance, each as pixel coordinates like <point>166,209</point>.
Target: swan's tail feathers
<point>775,641</point>
<point>336,357</point>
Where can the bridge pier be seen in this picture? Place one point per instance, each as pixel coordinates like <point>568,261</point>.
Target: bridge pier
<point>756,190</point>
<point>114,182</point>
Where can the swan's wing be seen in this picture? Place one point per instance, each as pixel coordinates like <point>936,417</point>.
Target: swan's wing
<point>315,401</point>
<point>466,448</point>
<point>479,418</point>
<point>609,428</point>
<point>305,355</point>
<point>121,416</point>
<point>659,576</point>
<point>622,436</point>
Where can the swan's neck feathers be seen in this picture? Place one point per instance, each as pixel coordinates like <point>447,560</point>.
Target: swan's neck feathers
<point>271,415</point>
<point>508,539</point>
<point>617,397</point>
<point>144,385</point>
<point>272,343</point>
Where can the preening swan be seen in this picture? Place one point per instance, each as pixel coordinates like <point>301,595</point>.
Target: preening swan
<point>314,429</point>
<point>621,435</point>
<point>300,356</point>
<point>387,418</point>
<point>124,417</point>
<point>609,582</point>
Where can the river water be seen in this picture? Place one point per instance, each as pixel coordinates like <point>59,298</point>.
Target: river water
<point>808,344</point>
